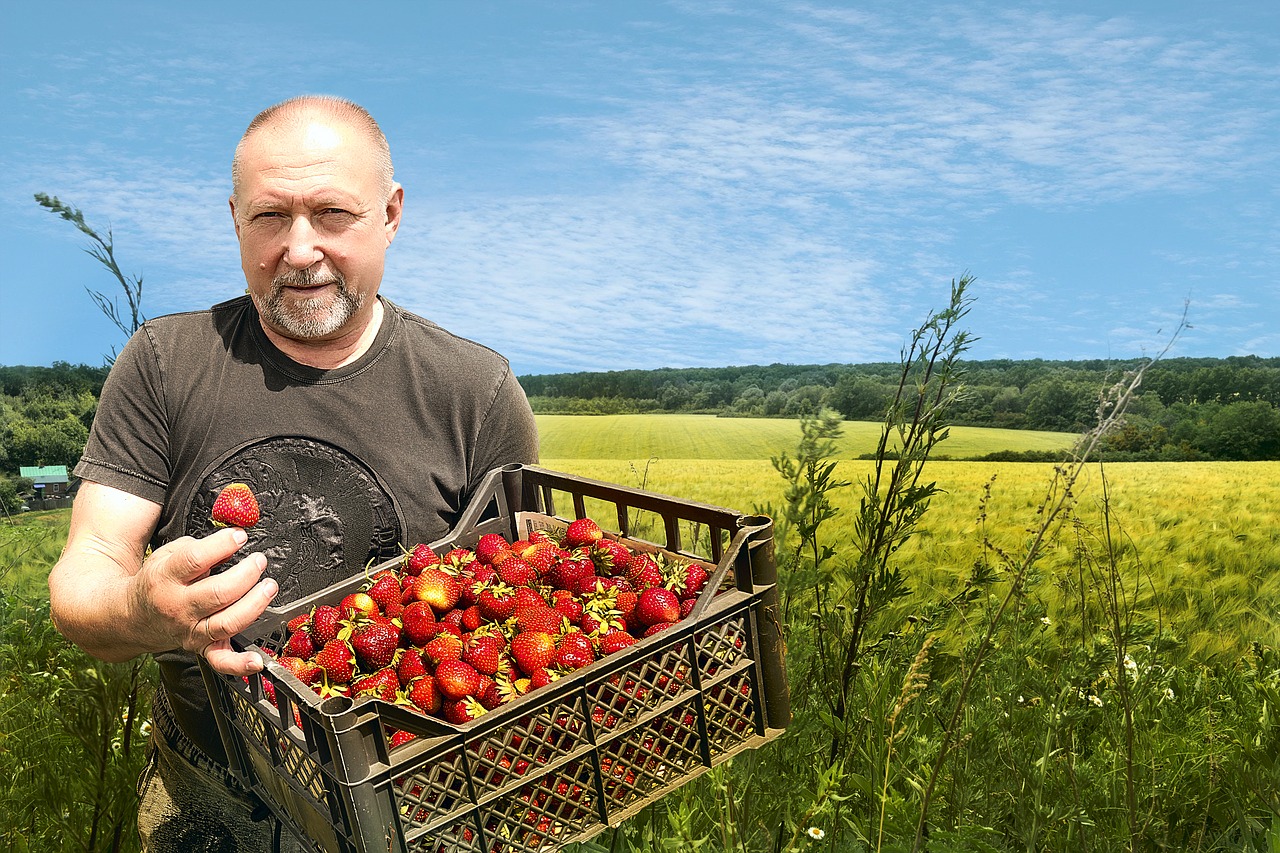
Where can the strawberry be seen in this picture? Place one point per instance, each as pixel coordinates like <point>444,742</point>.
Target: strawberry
<point>527,596</point>
<point>543,557</point>
<point>235,506</point>
<point>615,641</point>
<point>438,588</point>
<point>539,618</point>
<point>489,545</point>
<point>458,711</point>
<point>300,645</point>
<point>375,644</point>
<point>657,604</point>
<point>299,622</point>
<point>456,560</point>
<point>399,738</point>
<point>409,665</point>
<point>567,604</point>
<point>484,652</point>
<point>533,650</point>
<point>305,671</point>
<point>324,624</point>
<point>516,572</point>
<point>611,557</point>
<point>644,573</point>
<point>385,591</point>
<point>574,651</point>
<point>424,695</point>
<point>419,558</point>
<point>444,646</point>
<point>457,679</point>
<point>497,603</point>
<point>338,661</point>
<point>656,627</point>
<point>688,581</point>
<point>357,605</point>
<point>418,622</point>
<point>567,573</point>
<point>584,531</point>
<point>382,684</point>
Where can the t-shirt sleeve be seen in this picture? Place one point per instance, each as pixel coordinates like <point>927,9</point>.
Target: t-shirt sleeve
<point>128,443</point>
<point>508,434</point>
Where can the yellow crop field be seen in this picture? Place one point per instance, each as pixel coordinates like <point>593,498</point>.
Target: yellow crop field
<point>1200,541</point>
<point>710,437</point>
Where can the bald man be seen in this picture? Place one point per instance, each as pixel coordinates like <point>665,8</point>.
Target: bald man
<point>359,426</point>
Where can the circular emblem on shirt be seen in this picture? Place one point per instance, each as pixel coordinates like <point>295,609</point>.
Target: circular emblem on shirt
<point>324,514</point>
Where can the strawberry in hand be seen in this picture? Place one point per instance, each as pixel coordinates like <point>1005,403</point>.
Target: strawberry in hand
<point>235,506</point>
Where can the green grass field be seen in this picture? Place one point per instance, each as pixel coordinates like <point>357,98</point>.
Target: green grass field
<point>708,437</point>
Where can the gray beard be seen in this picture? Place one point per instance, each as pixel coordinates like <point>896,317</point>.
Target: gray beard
<point>312,318</point>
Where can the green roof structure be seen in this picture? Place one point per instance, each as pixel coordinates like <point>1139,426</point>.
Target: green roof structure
<point>44,474</point>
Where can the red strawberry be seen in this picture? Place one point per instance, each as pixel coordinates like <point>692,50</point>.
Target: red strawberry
<point>516,572</point>
<point>584,531</point>
<point>615,641</point>
<point>410,666</point>
<point>574,651</point>
<point>657,604</point>
<point>299,622</point>
<point>567,573</point>
<point>484,652</point>
<point>611,557</point>
<point>375,645</point>
<point>533,650</point>
<point>399,738</point>
<point>300,645</point>
<point>687,605</point>
<point>497,603</point>
<point>324,624</point>
<point>539,618</point>
<point>424,695</point>
<point>385,590</point>
<point>444,646</point>
<point>456,560</point>
<point>527,596</point>
<point>458,711</point>
<point>305,671</point>
<point>356,605</point>
<point>689,580</point>
<point>419,622</point>
<point>338,661</point>
<point>457,679</point>
<point>644,572</point>
<point>472,619</point>
<point>382,684</point>
<point>235,506</point>
<point>567,604</point>
<point>437,588</point>
<point>656,627</point>
<point>490,545</point>
<point>543,557</point>
<point>419,558</point>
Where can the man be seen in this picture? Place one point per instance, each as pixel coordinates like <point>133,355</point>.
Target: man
<point>359,427</point>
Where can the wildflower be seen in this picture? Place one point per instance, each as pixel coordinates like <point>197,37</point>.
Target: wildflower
<point>815,833</point>
<point>1168,693</point>
<point>145,728</point>
<point>1131,667</point>
<point>1046,621</point>
<point>1096,701</point>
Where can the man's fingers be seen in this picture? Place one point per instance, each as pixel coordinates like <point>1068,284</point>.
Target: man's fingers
<point>187,559</point>
<point>229,662</point>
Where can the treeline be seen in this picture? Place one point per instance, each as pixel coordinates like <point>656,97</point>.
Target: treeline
<point>1187,409</point>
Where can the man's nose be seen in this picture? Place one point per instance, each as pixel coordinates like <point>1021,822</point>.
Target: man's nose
<point>302,244</point>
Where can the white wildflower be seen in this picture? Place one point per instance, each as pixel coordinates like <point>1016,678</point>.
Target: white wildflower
<point>1046,621</point>
<point>1168,693</point>
<point>1131,667</point>
<point>815,833</point>
<point>1096,701</point>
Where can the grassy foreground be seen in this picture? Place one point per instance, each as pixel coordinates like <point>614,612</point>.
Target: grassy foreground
<point>1127,702</point>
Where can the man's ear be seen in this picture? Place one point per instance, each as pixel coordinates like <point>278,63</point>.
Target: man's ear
<point>395,207</point>
<point>235,220</point>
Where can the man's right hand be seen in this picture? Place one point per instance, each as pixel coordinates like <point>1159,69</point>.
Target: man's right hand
<point>115,605</point>
<point>177,596</point>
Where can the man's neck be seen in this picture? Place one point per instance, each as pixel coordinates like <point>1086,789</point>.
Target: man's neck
<point>335,353</point>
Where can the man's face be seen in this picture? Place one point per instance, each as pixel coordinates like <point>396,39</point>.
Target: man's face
<point>314,225</point>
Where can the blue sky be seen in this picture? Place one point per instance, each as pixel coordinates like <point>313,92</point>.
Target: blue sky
<point>612,185</point>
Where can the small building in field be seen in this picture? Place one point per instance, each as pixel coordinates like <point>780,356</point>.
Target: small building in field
<point>50,482</point>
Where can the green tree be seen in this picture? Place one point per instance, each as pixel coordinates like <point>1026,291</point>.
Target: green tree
<point>1244,431</point>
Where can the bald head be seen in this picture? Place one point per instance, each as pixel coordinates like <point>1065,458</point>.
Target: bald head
<point>298,112</point>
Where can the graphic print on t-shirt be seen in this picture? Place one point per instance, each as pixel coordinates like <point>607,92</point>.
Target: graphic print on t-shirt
<point>324,514</point>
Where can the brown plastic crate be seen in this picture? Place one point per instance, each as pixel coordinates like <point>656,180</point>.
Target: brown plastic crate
<point>559,764</point>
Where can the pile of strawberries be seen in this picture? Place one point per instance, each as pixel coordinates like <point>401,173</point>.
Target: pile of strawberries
<point>458,634</point>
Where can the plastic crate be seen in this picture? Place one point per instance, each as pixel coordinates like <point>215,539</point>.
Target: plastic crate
<point>557,765</point>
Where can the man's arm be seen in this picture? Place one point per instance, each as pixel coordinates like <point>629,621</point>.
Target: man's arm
<point>116,602</point>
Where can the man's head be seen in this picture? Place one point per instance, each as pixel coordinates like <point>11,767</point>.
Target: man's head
<point>315,208</point>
